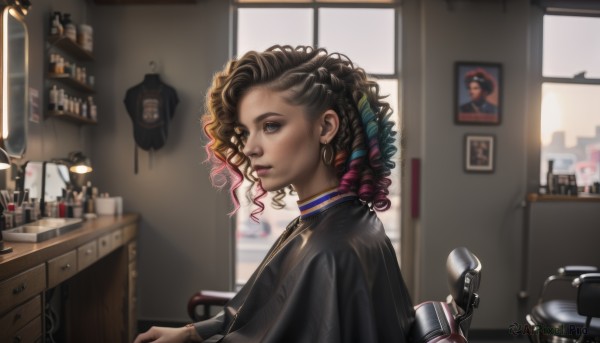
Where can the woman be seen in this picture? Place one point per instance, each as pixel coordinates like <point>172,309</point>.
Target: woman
<point>308,121</point>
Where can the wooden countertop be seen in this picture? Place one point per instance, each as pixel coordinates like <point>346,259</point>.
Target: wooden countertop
<point>28,255</point>
<point>534,197</point>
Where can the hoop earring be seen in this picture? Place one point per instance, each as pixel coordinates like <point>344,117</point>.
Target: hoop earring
<point>327,154</point>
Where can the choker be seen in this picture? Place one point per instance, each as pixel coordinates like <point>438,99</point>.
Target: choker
<point>322,201</point>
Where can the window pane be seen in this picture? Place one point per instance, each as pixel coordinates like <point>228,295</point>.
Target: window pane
<point>260,28</point>
<point>253,240</point>
<point>571,131</point>
<point>371,46</point>
<point>571,45</point>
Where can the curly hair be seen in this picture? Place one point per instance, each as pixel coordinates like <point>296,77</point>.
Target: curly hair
<point>318,80</point>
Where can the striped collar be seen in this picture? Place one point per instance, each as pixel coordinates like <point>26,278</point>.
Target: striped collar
<point>322,201</point>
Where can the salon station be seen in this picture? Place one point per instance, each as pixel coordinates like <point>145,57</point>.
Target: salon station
<point>110,223</point>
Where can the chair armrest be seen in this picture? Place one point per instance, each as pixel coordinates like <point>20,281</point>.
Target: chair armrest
<point>575,271</point>
<point>207,299</point>
<point>588,294</point>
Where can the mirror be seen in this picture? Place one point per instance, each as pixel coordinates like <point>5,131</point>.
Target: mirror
<point>46,180</point>
<point>15,82</point>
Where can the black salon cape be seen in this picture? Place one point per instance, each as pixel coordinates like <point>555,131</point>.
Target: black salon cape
<point>334,278</point>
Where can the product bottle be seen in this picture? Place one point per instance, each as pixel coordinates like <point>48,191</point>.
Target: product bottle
<point>53,99</point>
<point>550,177</point>
<point>57,27</point>
<point>61,100</point>
<point>70,28</point>
<point>62,208</point>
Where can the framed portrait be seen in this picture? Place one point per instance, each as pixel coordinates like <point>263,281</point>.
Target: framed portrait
<point>480,153</point>
<point>478,93</point>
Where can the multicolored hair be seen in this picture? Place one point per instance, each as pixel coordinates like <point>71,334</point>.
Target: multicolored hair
<point>318,80</point>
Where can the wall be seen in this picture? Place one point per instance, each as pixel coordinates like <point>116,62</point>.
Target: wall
<point>480,211</point>
<point>184,238</point>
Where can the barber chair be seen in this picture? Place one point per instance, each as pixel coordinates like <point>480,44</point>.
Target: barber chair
<point>435,321</point>
<point>566,320</point>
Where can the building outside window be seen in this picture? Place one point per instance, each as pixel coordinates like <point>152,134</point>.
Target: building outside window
<point>372,45</point>
<point>570,123</point>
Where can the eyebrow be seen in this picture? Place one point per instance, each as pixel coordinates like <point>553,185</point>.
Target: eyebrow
<point>261,118</point>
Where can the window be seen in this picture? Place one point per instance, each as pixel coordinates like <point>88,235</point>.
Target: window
<point>329,24</point>
<point>570,123</point>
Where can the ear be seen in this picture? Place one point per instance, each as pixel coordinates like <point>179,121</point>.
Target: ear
<point>329,123</point>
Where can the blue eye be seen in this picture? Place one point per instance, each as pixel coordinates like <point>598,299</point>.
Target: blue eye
<point>270,127</point>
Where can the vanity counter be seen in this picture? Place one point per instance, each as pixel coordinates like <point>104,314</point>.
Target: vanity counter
<point>95,264</point>
<point>28,255</point>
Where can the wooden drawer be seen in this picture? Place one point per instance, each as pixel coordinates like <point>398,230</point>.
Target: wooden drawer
<point>21,287</point>
<point>61,268</point>
<point>32,332</point>
<point>132,251</point>
<point>87,254</point>
<point>129,232</point>
<point>14,320</point>
<point>104,245</point>
<point>117,239</point>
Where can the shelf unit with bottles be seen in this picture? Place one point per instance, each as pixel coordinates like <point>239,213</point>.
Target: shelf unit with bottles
<point>76,85</point>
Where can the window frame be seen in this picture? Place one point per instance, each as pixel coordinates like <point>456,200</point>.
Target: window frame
<point>315,7</point>
<point>537,80</point>
<point>535,170</point>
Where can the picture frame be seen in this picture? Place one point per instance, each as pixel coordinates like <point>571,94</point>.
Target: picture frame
<point>480,153</point>
<point>478,93</point>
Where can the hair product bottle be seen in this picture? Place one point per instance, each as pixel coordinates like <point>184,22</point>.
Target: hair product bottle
<point>550,177</point>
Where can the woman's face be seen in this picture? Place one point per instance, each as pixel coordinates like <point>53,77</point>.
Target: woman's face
<point>280,140</point>
<point>475,91</point>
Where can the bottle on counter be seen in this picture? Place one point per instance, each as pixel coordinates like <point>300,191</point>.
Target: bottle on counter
<point>550,178</point>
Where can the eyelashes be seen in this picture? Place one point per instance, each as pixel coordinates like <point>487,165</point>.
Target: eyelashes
<point>268,128</point>
<point>271,127</point>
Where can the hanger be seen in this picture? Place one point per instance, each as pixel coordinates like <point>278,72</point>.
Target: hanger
<point>153,67</point>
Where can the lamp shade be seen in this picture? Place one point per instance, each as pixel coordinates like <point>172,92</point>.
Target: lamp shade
<point>4,159</point>
<point>80,164</point>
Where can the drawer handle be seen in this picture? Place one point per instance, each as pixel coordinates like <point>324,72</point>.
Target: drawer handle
<point>66,266</point>
<point>103,243</point>
<point>88,251</point>
<point>18,316</point>
<point>20,288</point>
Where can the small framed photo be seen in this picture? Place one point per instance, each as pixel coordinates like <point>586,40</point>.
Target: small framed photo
<point>480,153</point>
<point>478,93</point>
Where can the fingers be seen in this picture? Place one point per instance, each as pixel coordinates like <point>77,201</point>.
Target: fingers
<point>147,336</point>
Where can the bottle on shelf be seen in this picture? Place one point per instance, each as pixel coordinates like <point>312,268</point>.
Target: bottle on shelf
<point>69,27</point>
<point>56,27</point>
<point>53,99</point>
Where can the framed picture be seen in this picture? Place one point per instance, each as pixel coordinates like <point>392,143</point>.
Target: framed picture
<point>478,93</point>
<point>480,153</point>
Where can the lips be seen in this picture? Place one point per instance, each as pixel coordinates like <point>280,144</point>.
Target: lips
<point>261,170</point>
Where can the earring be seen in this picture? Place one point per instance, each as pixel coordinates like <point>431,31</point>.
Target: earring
<point>327,154</point>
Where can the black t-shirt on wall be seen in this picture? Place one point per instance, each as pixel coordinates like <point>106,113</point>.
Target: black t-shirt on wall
<point>151,105</point>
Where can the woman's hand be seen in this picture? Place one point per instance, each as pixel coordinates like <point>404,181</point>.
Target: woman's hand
<point>169,335</point>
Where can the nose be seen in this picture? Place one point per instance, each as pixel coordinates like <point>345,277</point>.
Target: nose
<point>252,147</point>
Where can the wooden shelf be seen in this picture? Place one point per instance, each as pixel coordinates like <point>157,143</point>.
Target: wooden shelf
<point>583,197</point>
<point>71,82</point>
<point>71,47</point>
<point>71,117</point>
